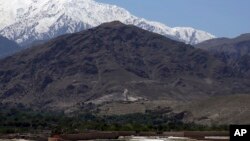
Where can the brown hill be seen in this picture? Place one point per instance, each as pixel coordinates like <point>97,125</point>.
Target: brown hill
<point>235,47</point>
<point>114,62</point>
<point>231,109</point>
<point>234,52</point>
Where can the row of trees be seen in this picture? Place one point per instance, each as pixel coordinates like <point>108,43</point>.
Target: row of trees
<point>13,120</point>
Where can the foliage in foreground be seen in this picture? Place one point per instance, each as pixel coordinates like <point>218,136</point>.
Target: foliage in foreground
<point>24,120</point>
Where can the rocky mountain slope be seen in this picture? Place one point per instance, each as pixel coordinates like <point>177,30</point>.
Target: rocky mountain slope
<point>231,109</point>
<point>114,62</point>
<point>7,47</point>
<point>235,52</point>
<point>235,47</point>
<point>29,20</point>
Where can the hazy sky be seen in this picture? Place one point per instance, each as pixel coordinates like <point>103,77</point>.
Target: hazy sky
<point>223,18</point>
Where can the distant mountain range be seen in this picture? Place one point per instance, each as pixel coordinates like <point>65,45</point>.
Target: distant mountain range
<point>26,21</point>
<point>126,66</point>
<point>7,47</point>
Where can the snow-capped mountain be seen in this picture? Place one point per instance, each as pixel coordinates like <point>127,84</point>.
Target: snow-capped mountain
<point>26,21</point>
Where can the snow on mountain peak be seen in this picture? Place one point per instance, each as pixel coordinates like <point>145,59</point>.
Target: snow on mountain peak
<point>28,20</point>
<point>189,33</point>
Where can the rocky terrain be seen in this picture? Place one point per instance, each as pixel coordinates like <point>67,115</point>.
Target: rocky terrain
<point>7,47</point>
<point>238,46</point>
<point>115,62</point>
<point>234,52</point>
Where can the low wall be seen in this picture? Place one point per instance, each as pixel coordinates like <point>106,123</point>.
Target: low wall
<point>91,135</point>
